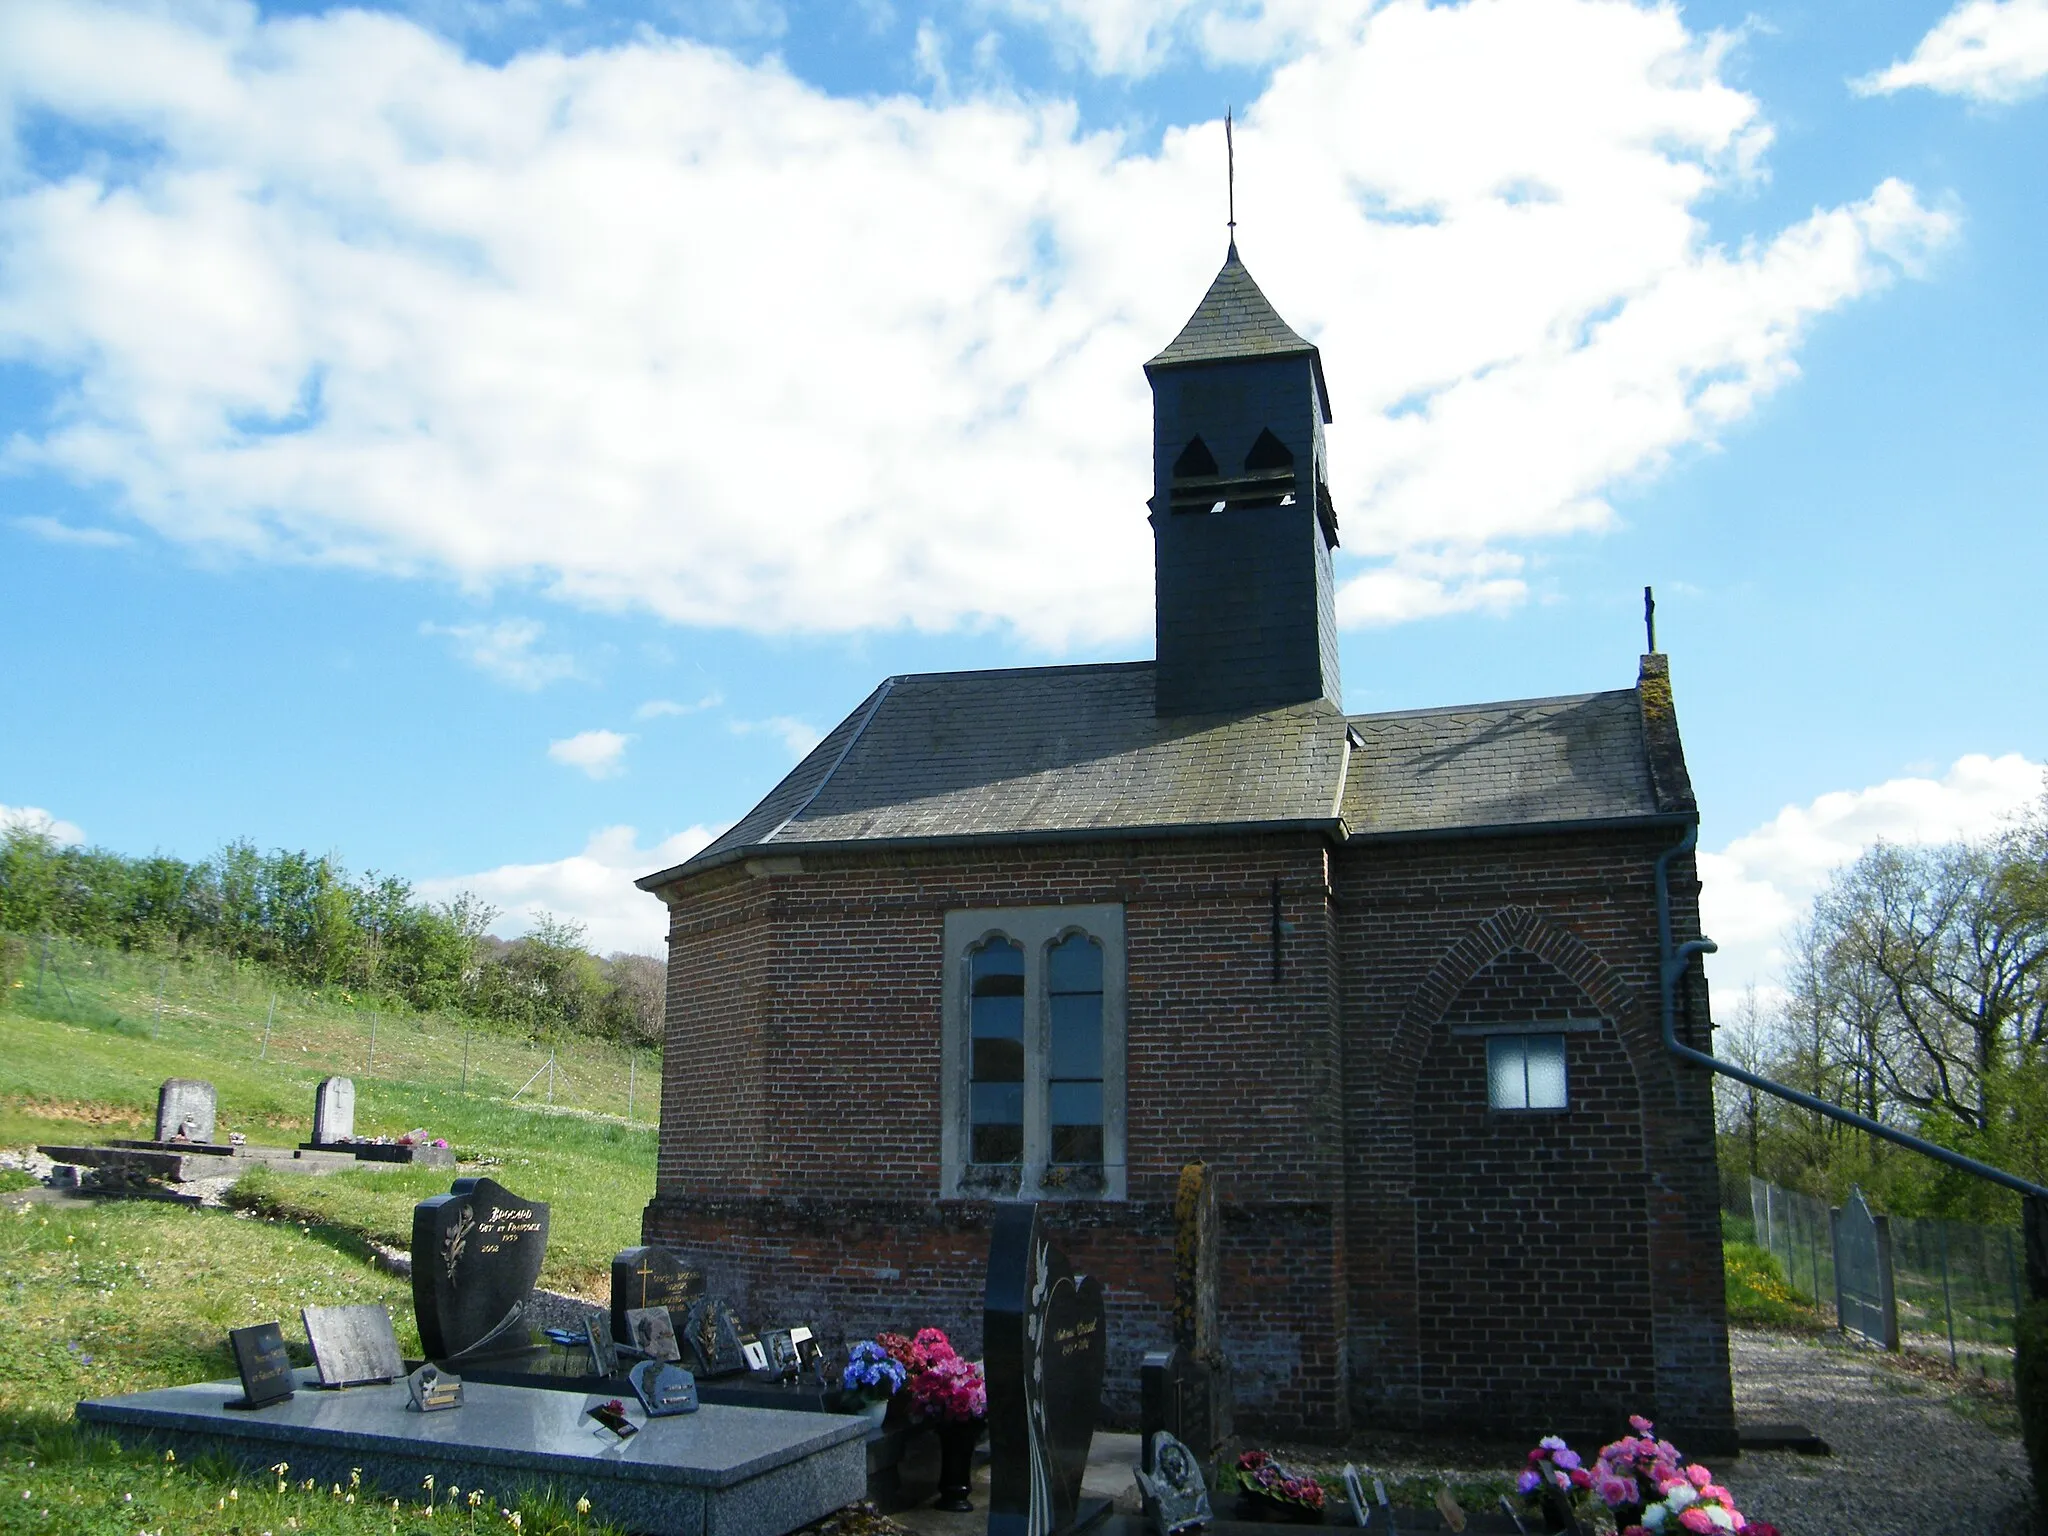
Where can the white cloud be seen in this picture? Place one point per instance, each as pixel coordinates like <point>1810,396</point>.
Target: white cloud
<point>657,709</point>
<point>582,320</point>
<point>1762,884</point>
<point>34,818</point>
<point>594,887</point>
<point>505,650</point>
<point>1993,50</point>
<point>64,533</point>
<point>601,754</point>
<point>797,736</point>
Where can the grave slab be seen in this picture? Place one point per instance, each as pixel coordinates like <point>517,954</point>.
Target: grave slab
<point>720,1471</point>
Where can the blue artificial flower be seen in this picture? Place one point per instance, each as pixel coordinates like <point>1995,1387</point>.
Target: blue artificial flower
<point>871,1369</point>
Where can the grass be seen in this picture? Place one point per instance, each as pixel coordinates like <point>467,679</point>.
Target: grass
<point>1759,1295</point>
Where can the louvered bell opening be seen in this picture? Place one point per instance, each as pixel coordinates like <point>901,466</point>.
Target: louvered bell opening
<point>1199,485</point>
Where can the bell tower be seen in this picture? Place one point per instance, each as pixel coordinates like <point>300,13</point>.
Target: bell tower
<point>1242,525</point>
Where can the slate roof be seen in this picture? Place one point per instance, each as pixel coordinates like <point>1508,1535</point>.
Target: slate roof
<point>1236,320</point>
<point>1061,752</point>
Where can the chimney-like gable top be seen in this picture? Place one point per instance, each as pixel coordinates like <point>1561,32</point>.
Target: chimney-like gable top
<point>1236,320</point>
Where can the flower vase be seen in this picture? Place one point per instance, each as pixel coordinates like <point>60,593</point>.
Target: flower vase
<point>1557,1513</point>
<point>874,1410</point>
<point>957,1438</point>
<point>1254,1505</point>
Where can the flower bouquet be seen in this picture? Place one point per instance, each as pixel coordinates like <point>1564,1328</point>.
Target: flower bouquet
<point>1556,1481</point>
<point>1650,1488</point>
<point>1266,1490</point>
<point>872,1376</point>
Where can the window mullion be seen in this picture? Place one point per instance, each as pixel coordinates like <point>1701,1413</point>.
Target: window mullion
<point>1036,1137</point>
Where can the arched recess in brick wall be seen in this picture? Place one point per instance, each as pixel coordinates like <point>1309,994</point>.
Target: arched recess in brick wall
<point>1530,1231</point>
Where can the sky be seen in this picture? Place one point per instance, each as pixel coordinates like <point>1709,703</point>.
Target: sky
<point>493,442</point>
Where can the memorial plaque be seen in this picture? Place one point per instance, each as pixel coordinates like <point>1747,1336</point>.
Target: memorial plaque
<point>604,1354</point>
<point>266,1369</point>
<point>184,1110</point>
<point>352,1345</point>
<point>1176,1496</point>
<point>711,1333</point>
<point>433,1390</point>
<point>1043,1336</point>
<point>653,1333</point>
<point>652,1277</point>
<point>476,1255</point>
<point>612,1416</point>
<point>783,1359</point>
<point>334,1110</point>
<point>663,1389</point>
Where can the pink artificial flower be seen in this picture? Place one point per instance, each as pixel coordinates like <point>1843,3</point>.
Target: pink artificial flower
<point>1698,1475</point>
<point>1693,1518</point>
<point>1581,1478</point>
<point>1639,1424</point>
<point>1528,1482</point>
<point>1716,1491</point>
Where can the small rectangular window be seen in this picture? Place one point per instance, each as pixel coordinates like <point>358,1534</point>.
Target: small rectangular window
<point>1525,1072</point>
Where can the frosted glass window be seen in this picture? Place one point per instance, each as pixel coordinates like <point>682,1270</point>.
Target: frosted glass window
<point>1525,1072</point>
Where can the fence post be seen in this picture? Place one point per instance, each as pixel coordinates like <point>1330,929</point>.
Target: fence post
<point>632,1073</point>
<point>551,1077</point>
<point>465,1056</point>
<point>156,1027</point>
<point>1948,1307</point>
<point>268,1020</point>
<point>2034,1228</point>
<point>371,1069</point>
<point>42,964</point>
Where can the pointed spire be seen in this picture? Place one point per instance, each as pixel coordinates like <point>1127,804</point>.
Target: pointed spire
<point>1236,320</point>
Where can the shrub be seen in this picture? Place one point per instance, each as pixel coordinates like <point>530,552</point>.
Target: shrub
<point>1758,1293</point>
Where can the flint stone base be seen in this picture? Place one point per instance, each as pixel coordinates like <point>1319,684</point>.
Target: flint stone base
<point>717,1472</point>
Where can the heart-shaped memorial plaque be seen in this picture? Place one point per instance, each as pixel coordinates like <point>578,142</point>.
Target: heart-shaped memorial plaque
<point>1042,1332</point>
<point>476,1255</point>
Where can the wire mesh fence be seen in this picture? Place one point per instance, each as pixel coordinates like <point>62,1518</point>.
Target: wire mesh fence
<point>1796,1228</point>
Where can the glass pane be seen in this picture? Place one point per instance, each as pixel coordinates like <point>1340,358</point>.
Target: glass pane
<point>1507,1084</point>
<point>998,970</point>
<point>1076,1103</point>
<point>1077,1144</point>
<point>1074,965</point>
<point>998,1018</point>
<point>1546,1071</point>
<point>997,1144</point>
<point>996,1103</point>
<point>1076,1035</point>
<point>998,1061</point>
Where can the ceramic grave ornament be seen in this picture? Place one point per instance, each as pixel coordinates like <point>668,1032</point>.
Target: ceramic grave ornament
<point>653,1333</point>
<point>185,1110</point>
<point>597,1337</point>
<point>1045,1345</point>
<point>711,1334</point>
<point>476,1255</point>
<point>652,1276</point>
<point>334,1110</point>
<point>1176,1497</point>
<point>433,1390</point>
<point>663,1389</point>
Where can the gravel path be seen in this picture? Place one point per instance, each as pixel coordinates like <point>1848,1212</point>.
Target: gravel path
<point>1905,1462</point>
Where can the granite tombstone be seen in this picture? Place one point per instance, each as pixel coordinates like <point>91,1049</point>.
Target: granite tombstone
<point>1045,1347</point>
<point>265,1368</point>
<point>1176,1496</point>
<point>185,1110</point>
<point>334,1111</point>
<point>663,1389</point>
<point>476,1256</point>
<point>651,1277</point>
<point>352,1345</point>
<point>711,1334</point>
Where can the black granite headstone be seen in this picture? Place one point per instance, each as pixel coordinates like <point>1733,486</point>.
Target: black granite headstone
<point>1043,1337</point>
<point>711,1335</point>
<point>652,1277</point>
<point>266,1369</point>
<point>476,1256</point>
<point>352,1345</point>
<point>663,1389</point>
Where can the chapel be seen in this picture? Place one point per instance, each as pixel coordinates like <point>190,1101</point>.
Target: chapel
<point>1052,933</point>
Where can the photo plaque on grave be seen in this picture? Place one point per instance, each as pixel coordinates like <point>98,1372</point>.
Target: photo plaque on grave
<point>597,1337</point>
<point>653,1333</point>
<point>433,1390</point>
<point>1042,1333</point>
<point>652,1276</point>
<point>265,1368</point>
<point>663,1389</point>
<point>476,1256</point>
<point>712,1334</point>
<point>1176,1495</point>
<point>352,1345</point>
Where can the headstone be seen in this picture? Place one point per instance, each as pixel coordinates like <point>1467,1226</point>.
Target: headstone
<point>663,1389</point>
<point>604,1354</point>
<point>1043,1338</point>
<point>433,1390</point>
<point>711,1333</point>
<point>352,1345</point>
<point>334,1110</point>
<point>653,1333</point>
<point>652,1277</point>
<point>476,1256</point>
<point>1176,1495</point>
<point>265,1367</point>
<point>184,1110</point>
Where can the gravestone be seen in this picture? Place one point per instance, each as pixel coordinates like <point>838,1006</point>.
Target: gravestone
<point>1176,1495</point>
<point>352,1345</point>
<point>652,1331</point>
<point>1045,1347</point>
<point>185,1110</point>
<point>265,1368</point>
<point>652,1277</point>
<point>476,1256</point>
<point>711,1334</point>
<point>334,1111</point>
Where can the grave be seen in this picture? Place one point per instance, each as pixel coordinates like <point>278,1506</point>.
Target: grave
<point>1044,1348</point>
<point>719,1471</point>
<point>652,1277</point>
<point>476,1256</point>
<point>185,1111</point>
<point>334,1133</point>
<point>334,1110</point>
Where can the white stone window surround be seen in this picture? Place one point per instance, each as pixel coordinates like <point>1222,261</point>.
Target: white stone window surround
<point>1037,930</point>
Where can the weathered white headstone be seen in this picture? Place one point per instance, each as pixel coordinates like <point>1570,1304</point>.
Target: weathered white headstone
<point>184,1110</point>
<point>334,1110</point>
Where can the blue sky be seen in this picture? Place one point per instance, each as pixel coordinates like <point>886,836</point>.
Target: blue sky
<point>492,441</point>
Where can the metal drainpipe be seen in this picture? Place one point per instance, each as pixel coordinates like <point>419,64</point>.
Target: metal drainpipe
<point>1673,969</point>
